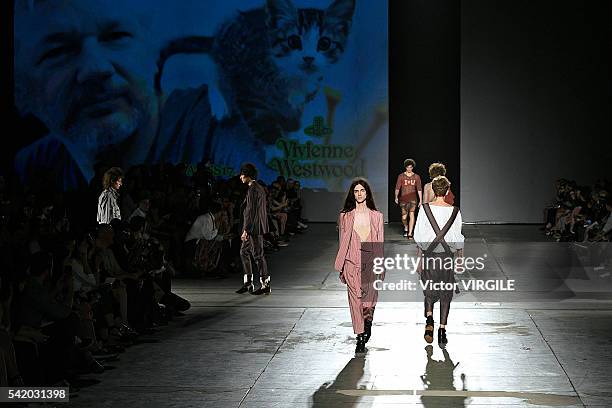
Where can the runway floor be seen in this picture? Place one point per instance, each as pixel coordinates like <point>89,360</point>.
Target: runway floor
<point>548,343</point>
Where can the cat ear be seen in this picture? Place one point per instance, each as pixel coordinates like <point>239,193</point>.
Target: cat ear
<point>339,14</point>
<point>341,10</point>
<point>280,12</point>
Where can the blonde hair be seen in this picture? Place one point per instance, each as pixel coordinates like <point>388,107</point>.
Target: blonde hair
<point>437,169</point>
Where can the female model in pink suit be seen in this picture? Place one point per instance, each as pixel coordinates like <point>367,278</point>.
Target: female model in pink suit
<point>361,240</point>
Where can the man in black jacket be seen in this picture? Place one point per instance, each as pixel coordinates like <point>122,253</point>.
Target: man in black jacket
<point>254,226</point>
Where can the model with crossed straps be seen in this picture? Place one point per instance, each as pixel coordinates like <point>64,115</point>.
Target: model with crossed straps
<point>437,245</point>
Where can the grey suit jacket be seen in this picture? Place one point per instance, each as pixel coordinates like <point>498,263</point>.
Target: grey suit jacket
<point>255,210</point>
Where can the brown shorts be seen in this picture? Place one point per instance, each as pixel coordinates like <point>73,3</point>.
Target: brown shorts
<point>409,206</point>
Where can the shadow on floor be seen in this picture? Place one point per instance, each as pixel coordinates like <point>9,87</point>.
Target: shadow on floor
<point>348,379</point>
<point>440,376</point>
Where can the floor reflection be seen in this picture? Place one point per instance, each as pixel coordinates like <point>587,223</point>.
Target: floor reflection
<point>440,376</point>
<point>350,378</point>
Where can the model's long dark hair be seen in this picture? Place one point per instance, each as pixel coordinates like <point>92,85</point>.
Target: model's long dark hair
<point>350,203</point>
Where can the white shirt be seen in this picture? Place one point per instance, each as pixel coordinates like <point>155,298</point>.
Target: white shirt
<point>108,209</point>
<point>203,228</point>
<point>424,233</point>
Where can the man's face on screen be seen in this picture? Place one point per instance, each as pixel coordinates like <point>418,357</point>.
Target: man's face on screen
<point>84,68</point>
<point>360,193</point>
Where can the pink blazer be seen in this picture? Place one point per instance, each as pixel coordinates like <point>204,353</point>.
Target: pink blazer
<point>345,229</point>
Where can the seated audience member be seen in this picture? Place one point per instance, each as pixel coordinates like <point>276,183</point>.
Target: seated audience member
<point>144,204</point>
<point>294,195</point>
<point>147,257</point>
<point>86,288</point>
<point>107,267</point>
<point>203,242</point>
<point>605,234</point>
<point>9,371</point>
<point>579,212</point>
<point>568,205</point>
<point>53,326</point>
<point>279,206</point>
<point>38,305</point>
<point>78,260</point>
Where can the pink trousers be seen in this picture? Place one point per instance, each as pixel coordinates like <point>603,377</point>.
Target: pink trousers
<point>362,296</point>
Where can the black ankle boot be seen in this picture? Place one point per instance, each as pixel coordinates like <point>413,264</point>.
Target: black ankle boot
<point>360,347</point>
<point>264,289</point>
<point>442,336</point>
<point>368,330</point>
<point>429,329</point>
<point>247,287</point>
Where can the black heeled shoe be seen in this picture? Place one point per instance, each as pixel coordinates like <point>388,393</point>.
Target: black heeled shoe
<point>368,330</point>
<point>360,347</point>
<point>429,328</point>
<point>442,336</point>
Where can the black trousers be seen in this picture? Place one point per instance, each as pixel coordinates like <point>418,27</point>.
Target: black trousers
<point>253,247</point>
<point>437,273</point>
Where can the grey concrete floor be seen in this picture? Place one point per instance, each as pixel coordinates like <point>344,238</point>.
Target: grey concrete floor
<point>549,343</point>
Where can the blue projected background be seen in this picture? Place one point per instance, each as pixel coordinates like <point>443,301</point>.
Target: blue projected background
<point>297,87</point>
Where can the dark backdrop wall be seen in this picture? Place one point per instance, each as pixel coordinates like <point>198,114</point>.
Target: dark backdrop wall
<point>424,60</point>
<point>535,103</point>
<point>6,78</point>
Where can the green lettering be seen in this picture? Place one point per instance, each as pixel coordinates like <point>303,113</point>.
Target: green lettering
<point>315,151</point>
<point>282,144</point>
<point>349,151</point>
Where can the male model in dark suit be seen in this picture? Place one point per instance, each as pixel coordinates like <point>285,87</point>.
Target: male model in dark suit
<point>255,225</point>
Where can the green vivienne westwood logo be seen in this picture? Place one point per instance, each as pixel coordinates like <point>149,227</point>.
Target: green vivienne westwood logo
<point>318,128</point>
<point>293,150</point>
<point>321,160</point>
